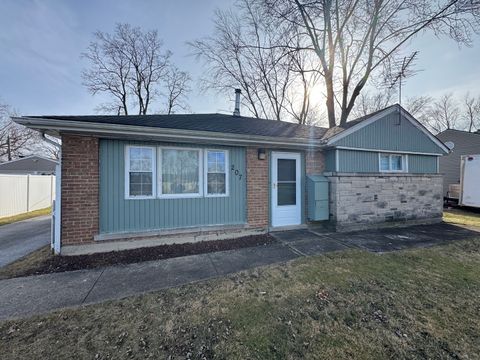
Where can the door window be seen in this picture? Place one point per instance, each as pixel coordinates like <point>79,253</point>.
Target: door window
<point>286,182</point>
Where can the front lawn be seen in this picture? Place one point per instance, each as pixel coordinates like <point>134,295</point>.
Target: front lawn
<point>414,304</point>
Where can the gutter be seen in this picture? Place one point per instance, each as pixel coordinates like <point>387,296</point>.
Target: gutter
<point>153,133</point>
<point>57,145</point>
<point>56,230</point>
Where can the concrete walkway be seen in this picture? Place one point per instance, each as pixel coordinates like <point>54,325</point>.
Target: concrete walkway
<point>23,237</point>
<point>27,296</point>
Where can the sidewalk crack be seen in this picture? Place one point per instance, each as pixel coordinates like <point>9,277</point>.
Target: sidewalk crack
<point>94,284</point>
<point>292,249</point>
<point>213,264</point>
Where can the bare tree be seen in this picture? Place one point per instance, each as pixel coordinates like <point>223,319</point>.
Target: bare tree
<point>368,103</point>
<point>15,140</point>
<point>130,65</point>
<point>177,86</point>
<point>443,114</point>
<point>354,39</point>
<point>471,111</point>
<point>245,52</point>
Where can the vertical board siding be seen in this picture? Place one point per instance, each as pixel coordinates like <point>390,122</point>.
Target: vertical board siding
<point>422,164</point>
<point>390,134</point>
<point>351,161</point>
<point>120,215</point>
<point>330,160</point>
<point>357,161</point>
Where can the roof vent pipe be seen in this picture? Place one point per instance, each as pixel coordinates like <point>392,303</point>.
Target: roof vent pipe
<point>236,112</point>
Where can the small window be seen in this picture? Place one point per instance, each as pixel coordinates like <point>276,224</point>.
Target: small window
<point>216,162</point>
<point>392,163</point>
<point>140,167</point>
<point>180,172</point>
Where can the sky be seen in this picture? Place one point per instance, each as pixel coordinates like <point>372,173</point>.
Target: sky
<point>41,42</point>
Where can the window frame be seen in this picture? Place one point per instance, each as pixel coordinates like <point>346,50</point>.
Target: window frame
<point>160,194</point>
<point>127,173</point>
<point>227,172</point>
<point>404,158</point>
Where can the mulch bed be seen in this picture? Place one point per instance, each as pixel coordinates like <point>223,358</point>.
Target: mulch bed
<point>79,262</point>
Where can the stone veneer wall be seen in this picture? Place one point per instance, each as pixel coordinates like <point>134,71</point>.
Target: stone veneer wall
<point>360,201</point>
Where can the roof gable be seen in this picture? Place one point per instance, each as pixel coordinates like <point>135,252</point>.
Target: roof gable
<point>392,129</point>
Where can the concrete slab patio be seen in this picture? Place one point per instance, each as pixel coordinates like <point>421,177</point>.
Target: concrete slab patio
<point>31,295</point>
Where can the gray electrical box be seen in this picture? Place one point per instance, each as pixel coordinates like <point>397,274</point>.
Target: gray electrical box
<point>317,194</point>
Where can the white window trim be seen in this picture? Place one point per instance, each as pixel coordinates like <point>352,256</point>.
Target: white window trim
<point>127,173</point>
<point>227,173</point>
<point>160,195</point>
<point>404,163</point>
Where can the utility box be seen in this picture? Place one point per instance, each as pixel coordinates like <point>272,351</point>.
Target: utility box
<point>317,195</point>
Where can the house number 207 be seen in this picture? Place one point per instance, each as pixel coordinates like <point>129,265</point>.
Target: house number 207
<point>237,172</point>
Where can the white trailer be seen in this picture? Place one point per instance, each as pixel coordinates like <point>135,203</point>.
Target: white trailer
<point>469,194</point>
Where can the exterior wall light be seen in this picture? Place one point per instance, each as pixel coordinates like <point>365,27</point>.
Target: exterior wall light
<point>262,154</point>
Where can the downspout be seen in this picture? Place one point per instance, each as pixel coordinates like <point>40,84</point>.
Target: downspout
<point>57,205</point>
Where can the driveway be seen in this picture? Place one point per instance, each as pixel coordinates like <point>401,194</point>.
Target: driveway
<point>23,237</point>
<point>38,294</point>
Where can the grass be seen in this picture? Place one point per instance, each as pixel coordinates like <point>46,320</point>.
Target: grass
<point>24,265</point>
<point>462,217</point>
<point>413,304</point>
<point>24,216</point>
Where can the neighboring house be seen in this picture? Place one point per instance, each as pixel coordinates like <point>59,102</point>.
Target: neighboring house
<point>33,165</point>
<point>465,143</point>
<point>175,178</point>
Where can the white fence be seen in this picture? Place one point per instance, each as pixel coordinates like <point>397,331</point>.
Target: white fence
<point>23,193</point>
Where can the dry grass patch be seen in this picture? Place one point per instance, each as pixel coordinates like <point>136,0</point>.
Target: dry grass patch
<point>28,215</point>
<point>462,217</point>
<point>412,304</point>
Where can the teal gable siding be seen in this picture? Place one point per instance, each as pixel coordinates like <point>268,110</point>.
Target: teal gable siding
<point>330,158</point>
<point>422,164</point>
<point>120,215</point>
<point>357,161</point>
<point>387,134</point>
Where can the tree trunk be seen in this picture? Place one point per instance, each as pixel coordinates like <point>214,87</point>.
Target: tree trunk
<point>330,101</point>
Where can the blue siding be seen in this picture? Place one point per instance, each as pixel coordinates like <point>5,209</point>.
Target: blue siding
<point>357,161</point>
<point>120,215</point>
<point>388,134</point>
<point>367,162</point>
<point>422,164</point>
<point>330,160</point>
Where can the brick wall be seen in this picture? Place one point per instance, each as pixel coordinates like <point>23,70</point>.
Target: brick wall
<point>257,189</point>
<point>80,187</point>
<point>314,162</point>
<point>314,165</point>
<point>361,201</point>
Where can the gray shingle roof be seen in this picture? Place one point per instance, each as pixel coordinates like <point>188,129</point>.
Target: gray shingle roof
<point>205,122</point>
<point>30,164</point>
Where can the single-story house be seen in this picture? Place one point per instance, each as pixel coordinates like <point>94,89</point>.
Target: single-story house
<point>29,165</point>
<point>463,143</point>
<point>130,181</point>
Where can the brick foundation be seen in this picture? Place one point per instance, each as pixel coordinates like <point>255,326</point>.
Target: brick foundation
<point>257,189</point>
<point>80,188</point>
<point>359,201</point>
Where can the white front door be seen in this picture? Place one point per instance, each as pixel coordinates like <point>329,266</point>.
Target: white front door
<point>286,189</point>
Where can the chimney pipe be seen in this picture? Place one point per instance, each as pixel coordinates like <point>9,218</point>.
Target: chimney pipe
<point>236,112</point>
